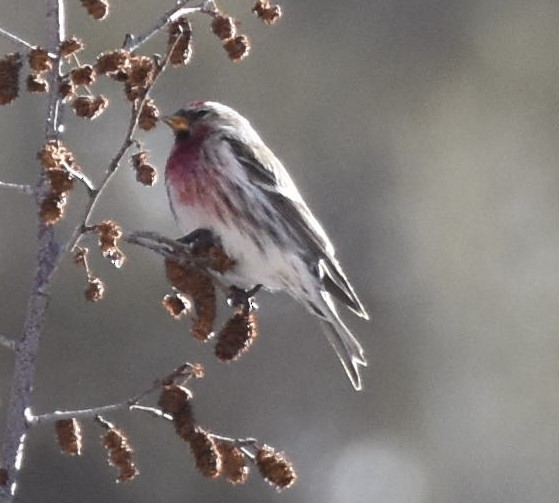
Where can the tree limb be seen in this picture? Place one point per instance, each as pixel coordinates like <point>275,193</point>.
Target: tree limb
<point>48,253</point>
<point>132,43</point>
<point>21,188</point>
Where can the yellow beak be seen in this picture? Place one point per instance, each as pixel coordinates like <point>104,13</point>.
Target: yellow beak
<point>177,123</point>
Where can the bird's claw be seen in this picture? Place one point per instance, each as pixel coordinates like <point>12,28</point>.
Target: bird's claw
<point>243,299</point>
<point>200,240</point>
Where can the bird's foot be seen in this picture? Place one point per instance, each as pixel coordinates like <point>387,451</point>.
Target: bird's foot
<point>243,299</point>
<point>200,240</point>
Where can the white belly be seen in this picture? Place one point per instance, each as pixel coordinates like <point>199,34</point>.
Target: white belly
<point>267,264</point>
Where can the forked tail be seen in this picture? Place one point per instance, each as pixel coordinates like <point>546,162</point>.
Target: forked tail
<point>347,347</point>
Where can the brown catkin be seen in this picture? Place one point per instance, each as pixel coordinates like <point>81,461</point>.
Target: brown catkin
<point>60,181</point>
<point>149,115</point>
<point>90,107</point>
<point>98,9</point>
<point>236,336</point>
<point>38,59</point>
<point>112,61</point>
<point>120,454</point>
<point>68,432</point>
<point>179,41</point>
<point>176,305</point>
<point>141,71</point>
<point>70,46</point>
<point>3,477</point>
<point>36,84</point>
<point>233,463</point>
<point>174,398</point>
<point>269,14</point>
<point>110,233</point>
<point>206,455</point>
<point>275,468</point>
<point>52,208</point>
<point>95,290</point>
<point>237,48</point>
<point>83,75</point>
<point>66,89</point>
<point>10,66</point>
<point>224,27</point>
<point>197,284</point>
<point>177,401</point>
<point>146,175</point>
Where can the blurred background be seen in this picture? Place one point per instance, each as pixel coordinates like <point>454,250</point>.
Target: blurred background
<point>423,133</point>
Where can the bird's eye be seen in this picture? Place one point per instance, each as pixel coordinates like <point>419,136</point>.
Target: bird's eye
<point>199,114</point>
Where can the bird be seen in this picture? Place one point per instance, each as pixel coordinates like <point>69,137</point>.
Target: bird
<point>221,177</point>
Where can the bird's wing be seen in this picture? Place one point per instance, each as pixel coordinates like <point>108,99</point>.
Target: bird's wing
<point>277,186</point>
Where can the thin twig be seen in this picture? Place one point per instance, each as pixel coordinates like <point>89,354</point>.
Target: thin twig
<point>132,43</point>
<point>57,415</point>
<point>15,39</point>
<point>152,411</point>
<point>249,446</point>
<point>168,247</point>
<point>184,372</point>
<point>21,188</point>
<point>82,177</point>
<point>114,164</point>
<point>156,242</point>
<point>7,342</point>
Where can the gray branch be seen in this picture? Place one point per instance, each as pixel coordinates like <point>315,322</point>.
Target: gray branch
<point>21,188</point>
<point>49,250</point>
<point>132,42</point>
<point>15,39</point>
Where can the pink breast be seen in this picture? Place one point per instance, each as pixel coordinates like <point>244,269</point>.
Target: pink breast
<point>192,182</point>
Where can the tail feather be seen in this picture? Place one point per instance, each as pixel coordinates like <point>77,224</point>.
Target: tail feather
<point>347,347</point>
<point>336,283</point>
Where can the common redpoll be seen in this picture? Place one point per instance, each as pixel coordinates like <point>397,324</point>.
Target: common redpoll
<point>222,177</point>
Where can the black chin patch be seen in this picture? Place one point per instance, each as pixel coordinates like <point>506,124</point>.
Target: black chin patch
<point>182,135</point>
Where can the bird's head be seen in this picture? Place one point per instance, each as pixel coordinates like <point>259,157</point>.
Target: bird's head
<point>204,117</point>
